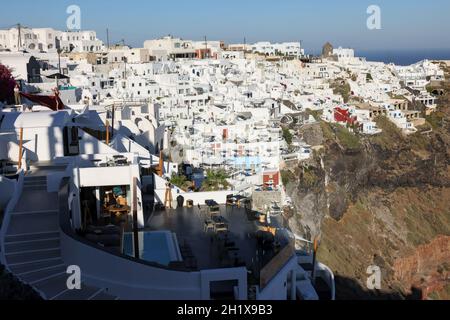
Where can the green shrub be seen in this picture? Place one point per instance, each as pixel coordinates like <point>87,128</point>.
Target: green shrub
<point>287,176</point>
<point>287,135</point>
<point>216,180</point>
<point>346,138</point>
<point>435,119</point>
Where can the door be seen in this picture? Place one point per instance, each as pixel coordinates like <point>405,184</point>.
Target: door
<point>71,141</point>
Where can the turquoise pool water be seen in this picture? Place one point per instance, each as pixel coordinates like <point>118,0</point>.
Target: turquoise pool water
<point>154,247</point>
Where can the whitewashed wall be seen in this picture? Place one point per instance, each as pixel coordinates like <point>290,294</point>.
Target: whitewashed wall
<point>131,280</point>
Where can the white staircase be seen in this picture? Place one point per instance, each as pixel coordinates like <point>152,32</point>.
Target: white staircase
<point>32,245</point>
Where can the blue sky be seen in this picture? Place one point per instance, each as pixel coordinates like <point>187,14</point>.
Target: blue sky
<point>406,24</point>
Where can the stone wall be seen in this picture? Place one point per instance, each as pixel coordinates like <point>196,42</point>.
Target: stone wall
<point>263,198</point>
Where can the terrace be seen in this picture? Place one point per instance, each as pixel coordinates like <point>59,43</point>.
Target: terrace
<point>220,237</point>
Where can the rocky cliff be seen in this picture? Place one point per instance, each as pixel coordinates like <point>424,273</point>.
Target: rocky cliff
<point>382,200</point>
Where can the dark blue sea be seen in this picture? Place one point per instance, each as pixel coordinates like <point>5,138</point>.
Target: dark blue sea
<point>401,57</point>
<point>404,57</point>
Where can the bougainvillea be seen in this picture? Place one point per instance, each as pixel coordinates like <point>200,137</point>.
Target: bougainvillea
<point>7,84</point>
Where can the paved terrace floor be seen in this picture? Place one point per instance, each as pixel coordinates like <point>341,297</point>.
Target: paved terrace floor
<point>188,224</point>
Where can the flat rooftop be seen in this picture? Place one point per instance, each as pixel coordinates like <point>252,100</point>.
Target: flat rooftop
<point>208,249</point>
<point>41,119</point>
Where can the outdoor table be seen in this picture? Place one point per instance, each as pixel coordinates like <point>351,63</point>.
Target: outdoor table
<point>118,210</point>
<point>219,219</point>
<point>220,224</point>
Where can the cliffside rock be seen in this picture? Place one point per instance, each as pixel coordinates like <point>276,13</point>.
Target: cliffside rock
<point>374,201</point>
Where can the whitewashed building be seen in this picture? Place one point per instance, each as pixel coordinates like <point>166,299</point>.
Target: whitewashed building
<point>49,40</point>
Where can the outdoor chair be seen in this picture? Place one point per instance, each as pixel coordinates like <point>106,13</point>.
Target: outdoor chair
<point>209,225</point>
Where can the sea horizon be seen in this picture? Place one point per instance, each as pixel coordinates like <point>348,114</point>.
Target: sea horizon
<point>401,57</point>
<point>404,57</point>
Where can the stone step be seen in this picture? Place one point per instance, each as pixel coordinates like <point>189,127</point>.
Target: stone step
<point>39,275</point>
<point>12,247</point>
<point>36,200</point>
<point>35,179</point>
<point>33,222</point>
<point>52,287</point>
<point>32,243</point>
<point>35,185</point>
<point>31,237</point>
<point>35,256</point>
<point>28,183</point>
<point>24,268</point>
<point>32,212</point>
<point>84,293</point>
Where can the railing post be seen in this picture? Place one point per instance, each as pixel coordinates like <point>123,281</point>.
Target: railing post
<point>316,247</point>
<point>135,220</point>
<point>113,116</point>
<point>107,132</point>
<point>20,148</point>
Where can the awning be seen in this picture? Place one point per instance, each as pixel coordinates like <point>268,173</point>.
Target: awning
<point>52,102</point>
<point>57,76</point>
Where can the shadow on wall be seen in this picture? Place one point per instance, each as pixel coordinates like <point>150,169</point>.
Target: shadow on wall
<point>350,289</point>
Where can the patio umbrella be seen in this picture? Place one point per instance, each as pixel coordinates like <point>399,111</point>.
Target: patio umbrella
<point>57,76</point>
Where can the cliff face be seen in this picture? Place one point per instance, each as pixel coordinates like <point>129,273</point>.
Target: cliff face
<point>381,200</point>
<point>427,267</point>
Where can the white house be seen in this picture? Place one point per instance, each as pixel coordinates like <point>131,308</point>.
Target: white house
<point>170,48</point>
<point>48,40</point>
<point>292,49</point>
<point>344,54</point>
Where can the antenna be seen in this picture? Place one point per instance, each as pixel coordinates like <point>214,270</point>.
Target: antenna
<point>301,47</point>
<point>107,38</point>
<point>206,48</point>
<point>245,47</point>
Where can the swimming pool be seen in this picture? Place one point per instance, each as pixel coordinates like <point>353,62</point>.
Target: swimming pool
<point>154,246</point>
